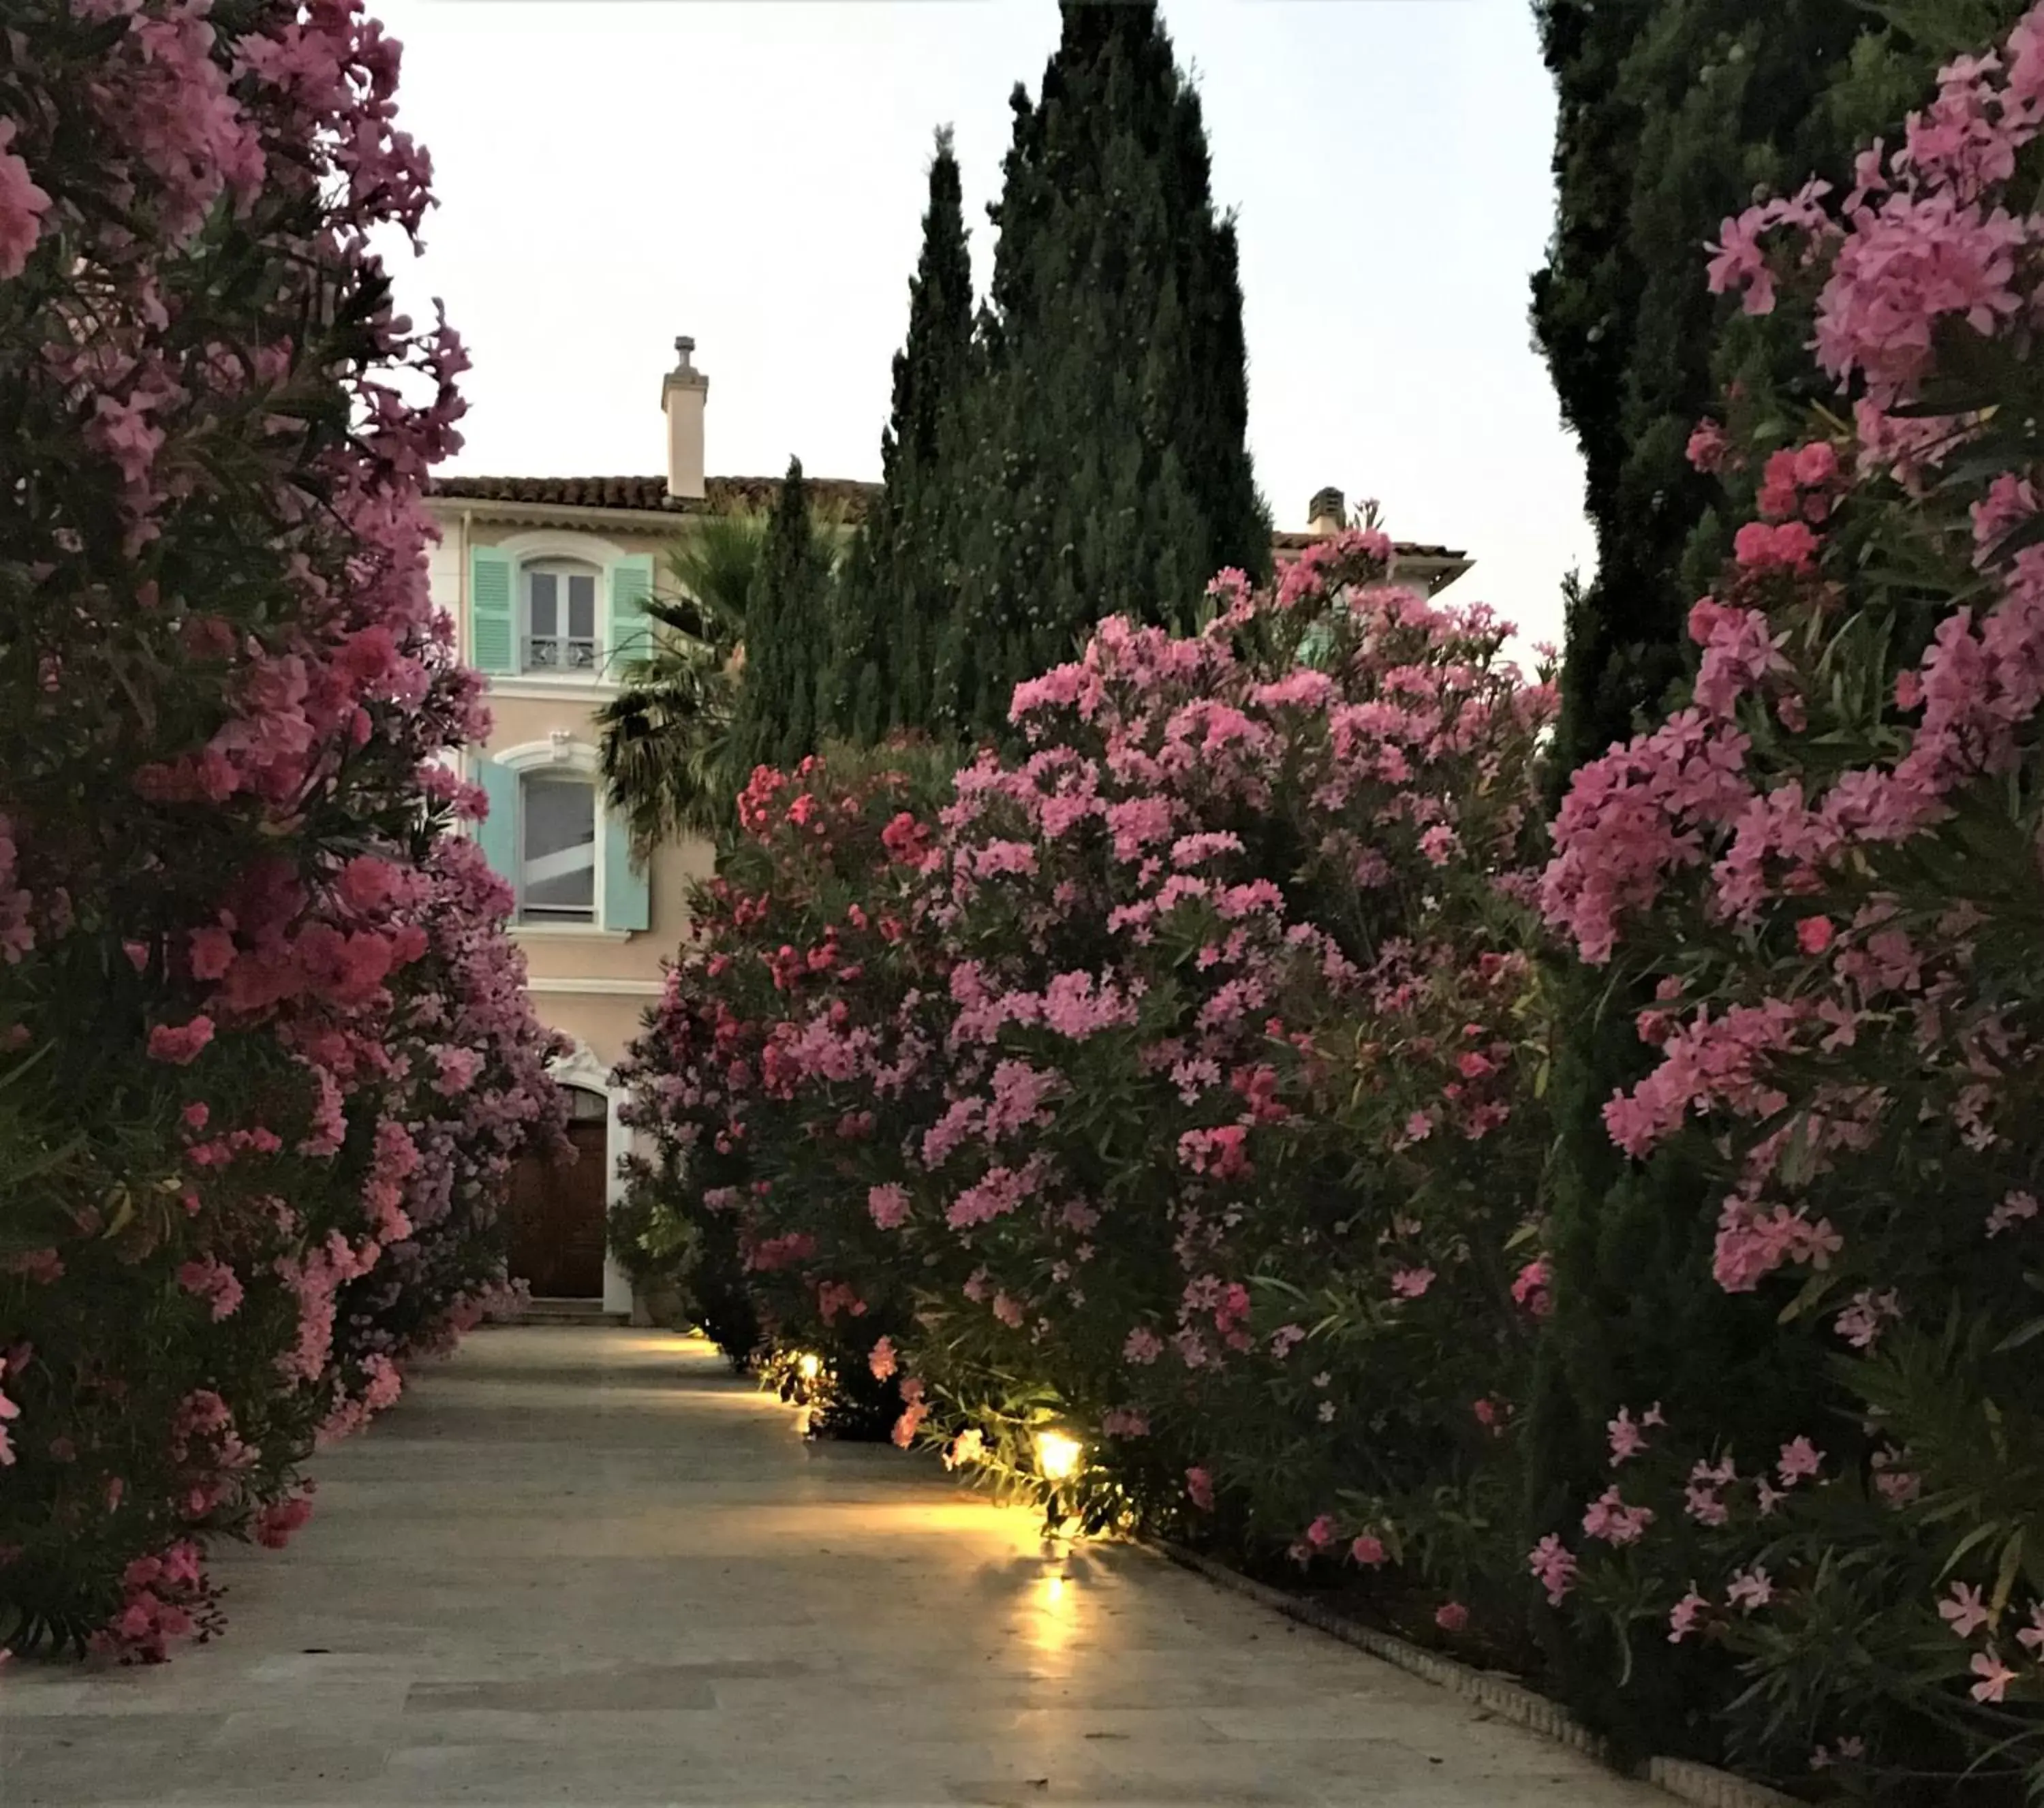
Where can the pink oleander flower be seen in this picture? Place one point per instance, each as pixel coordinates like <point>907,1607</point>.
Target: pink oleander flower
<point>22,206</point>
<point>1199,1489</point>
<point>888,1205</point>
<point>213,1280</point>
<point>1451,1616</point>
<point>1554,1567</point>
<point>1800,1458</point>
<point>880,1360</point>
<point>1530,1288</point>
<point>1609,1518</point>
<point>1369,1551</point>
<point>1707,447</point>
<point>1285,1338</point>
<point>274,1524</point>
<point>1862,1322</point>
<point>1995,1676</point>
<point>909,1423</point>
<point>1964,1612</point>
<point>1749,1589</point>
<point>180,1044</point>
<point>968,1446</point>
<point>1321,1533</point>
<point>1627,1437</point>
<point>2031,1637</point>
<point>1410,1283</point>
<point>1682,1617</point>
<point>1142,1347</point>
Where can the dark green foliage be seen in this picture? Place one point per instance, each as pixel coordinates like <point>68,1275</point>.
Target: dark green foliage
<point>775,720</point>
<point>1106,469</point>
<point>667,751</point>
<point>1674,114</point>
<point>899,579</point>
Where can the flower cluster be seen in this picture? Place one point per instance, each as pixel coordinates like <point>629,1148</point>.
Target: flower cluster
<point>263,1051</point>
<point>1827,865</point>
<point>1062,1067</point>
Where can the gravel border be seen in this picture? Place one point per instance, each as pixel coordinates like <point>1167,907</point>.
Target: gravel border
<point>1698,1784</point>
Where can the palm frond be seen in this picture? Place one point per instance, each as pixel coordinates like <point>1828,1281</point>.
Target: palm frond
<point>666,742</point>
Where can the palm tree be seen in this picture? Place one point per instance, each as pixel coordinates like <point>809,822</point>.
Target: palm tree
<point>666,749</point>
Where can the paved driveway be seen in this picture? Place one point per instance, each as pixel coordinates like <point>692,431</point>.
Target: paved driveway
<point>585,1565</point>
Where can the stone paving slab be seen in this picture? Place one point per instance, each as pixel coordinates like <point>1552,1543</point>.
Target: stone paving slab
<point>581,1565</point>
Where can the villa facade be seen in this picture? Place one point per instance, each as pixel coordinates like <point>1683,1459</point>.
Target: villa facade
<point>547,579</point>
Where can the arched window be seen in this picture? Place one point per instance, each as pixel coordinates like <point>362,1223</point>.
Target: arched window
<point>568,858</point>
<point>560,616</point>
<point>556,848</point>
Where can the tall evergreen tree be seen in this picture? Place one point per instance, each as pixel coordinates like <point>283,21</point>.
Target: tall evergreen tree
<point>1107,463</point>
<point>1672,114</point>
<point>896,593</point>
<point>774,718</point>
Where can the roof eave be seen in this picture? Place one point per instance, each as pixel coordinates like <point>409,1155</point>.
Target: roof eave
<point>555,514</point>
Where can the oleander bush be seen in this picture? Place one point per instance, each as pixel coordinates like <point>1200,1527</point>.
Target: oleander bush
<point>264,1053</point>
<point>1100,1085</point>
<point>1828,865</point>
<point>1160,1111</point>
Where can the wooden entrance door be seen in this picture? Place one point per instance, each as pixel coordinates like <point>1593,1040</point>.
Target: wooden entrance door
<point>557,1218</point>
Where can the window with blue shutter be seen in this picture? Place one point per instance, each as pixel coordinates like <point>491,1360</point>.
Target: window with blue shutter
<point>631,634</point>
<point>627,902</point>
<point>497,833</point>
<point>492,610</point>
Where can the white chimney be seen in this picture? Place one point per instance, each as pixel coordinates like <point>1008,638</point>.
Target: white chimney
<point>681,399</point>
<point>1326,514</point>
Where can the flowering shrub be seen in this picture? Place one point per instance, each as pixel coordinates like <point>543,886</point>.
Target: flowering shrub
<point>1053,1104</point>
<point>801,938</point>
<point>263,1052</point>
<point>1830,861</point>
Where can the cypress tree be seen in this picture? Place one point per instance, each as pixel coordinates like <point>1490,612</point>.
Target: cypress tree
<point>774,718</point>
<point>1107,465</point>
<point>896,593</point>
<point>1673,114</point>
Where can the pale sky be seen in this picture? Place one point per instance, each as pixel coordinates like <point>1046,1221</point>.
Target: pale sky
<point>752,172</point>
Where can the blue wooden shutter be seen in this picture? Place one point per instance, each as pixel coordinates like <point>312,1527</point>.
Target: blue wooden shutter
<point>497,833</point>
<point>631,637</point>
<point>492,610</point>
<point>627,903</point>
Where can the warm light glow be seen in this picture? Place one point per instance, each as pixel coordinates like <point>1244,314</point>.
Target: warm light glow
<point>1055,1623</point>
<point>1057,1455</point>
<point>810,1367</point>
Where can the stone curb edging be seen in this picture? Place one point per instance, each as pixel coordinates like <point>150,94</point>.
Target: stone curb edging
<point>1698,1784</point>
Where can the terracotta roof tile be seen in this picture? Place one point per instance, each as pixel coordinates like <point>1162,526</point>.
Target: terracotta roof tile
<point>650,493</point>
<point>1286,540</point>
<point>848,496</point>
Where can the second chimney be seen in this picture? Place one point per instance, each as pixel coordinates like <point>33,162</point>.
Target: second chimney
<point>1327,511</point>
<point>682,396</point>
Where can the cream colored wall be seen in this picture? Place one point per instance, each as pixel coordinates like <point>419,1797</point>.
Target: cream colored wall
<point>675,866</point>
<point>625,969</point>
<point>606,1026</point>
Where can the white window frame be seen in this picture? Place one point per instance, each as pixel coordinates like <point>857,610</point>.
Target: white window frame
<point>560,754</point>
<point>560,919</point>
<point>556,566</point>
<point>541,547</point>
